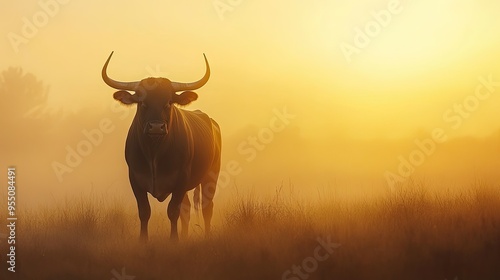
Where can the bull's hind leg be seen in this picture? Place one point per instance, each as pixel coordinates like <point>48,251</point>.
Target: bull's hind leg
<point>174,211</point>
<point>207,205</point>
<point>185,216</point>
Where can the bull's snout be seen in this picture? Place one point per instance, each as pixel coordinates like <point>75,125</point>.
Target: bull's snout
<point>156,128</point>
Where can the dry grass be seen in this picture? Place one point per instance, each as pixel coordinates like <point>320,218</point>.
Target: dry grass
<point>411,233</point>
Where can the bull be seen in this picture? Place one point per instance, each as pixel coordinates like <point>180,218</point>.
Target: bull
<point>169,150</point>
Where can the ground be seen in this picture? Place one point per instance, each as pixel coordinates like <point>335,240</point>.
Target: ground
<point>409,233</point>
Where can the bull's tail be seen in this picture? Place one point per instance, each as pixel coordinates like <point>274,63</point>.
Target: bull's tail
<point>196,199</point>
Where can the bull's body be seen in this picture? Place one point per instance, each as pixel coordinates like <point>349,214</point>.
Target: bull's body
<point>189,156</point>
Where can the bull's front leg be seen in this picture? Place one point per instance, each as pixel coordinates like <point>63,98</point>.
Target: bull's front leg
<point>143,206</point>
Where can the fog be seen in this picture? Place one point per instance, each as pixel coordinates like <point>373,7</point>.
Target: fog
<point>418,102</point>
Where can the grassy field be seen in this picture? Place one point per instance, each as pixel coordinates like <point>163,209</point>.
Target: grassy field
<point>411,233</point>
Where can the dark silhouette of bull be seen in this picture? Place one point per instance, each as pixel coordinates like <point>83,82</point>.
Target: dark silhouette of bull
<point>169,150</point>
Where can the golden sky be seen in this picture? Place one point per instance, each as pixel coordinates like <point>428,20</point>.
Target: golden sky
<point>427,57</point>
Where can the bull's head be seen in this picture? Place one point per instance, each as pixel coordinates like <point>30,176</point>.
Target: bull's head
<point>155,98</point>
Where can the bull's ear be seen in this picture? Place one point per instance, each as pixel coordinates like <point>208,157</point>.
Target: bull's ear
<point>124,97</point>
<point>185,98</point>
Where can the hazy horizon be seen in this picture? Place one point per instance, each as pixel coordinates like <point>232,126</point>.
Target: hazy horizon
<point>356,103</point>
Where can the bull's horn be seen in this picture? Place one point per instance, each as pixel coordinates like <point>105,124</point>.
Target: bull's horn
<point>115,84</point>
<point>195,85</point>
